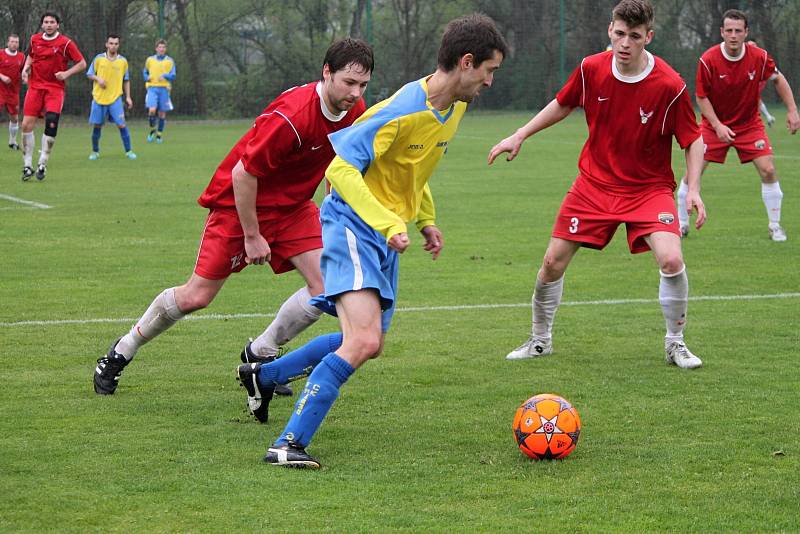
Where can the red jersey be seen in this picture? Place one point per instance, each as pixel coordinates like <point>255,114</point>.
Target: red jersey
<point>11,66</point>
<point>50,56</point>
<point>733,85</point>
<point>287,149</point>
<point>631,122</point>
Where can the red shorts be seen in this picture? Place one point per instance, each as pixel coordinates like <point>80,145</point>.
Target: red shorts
<point>40,101</point>
<point>10,103</point>
<point>591,216</point>
<point>749,144</point>
<point>288,233</point>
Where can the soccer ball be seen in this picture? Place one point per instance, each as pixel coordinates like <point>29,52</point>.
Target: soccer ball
<point>546,427</point>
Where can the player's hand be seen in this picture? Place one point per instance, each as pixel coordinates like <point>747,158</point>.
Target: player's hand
<point>256,250</point>
<point>724,133</point>
<point>399,242</point>
<point>25,77</point>
<point>129,102</point>
<point>5,79</point>
<point>61,76</point>
<point>101,82</point>
<point>510,144</point>
<point>695,203</point>
<point>434,241</point>
<point>793,122</point>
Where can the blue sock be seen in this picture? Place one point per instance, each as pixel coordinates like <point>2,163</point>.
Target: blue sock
<point>299,363</point>
<point>320,392</point>
<point>152,120</point>
<point>126,138</point>
<point>96,139</point>
<point>161,124</point>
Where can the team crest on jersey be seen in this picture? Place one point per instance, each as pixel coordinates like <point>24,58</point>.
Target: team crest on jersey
<point>644,115</point>
<point>666,218</point>
<point>760,144</point>
<point>751,75</point>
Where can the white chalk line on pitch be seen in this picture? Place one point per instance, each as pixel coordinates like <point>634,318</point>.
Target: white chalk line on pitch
<point>464,307</point>
<point>30,203</point>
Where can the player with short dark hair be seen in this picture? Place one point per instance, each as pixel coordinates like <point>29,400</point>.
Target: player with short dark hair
<point>379,181</point>
<point>159,73</point>
<point>45,72</point>
<point>261,212</point>
<point>728,90</point>
<point>109,72</point>
<point>11,63</point>
<point>634,104</point>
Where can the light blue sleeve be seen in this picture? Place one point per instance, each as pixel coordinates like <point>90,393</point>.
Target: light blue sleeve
<point>170,76</point>
<point>127,70</point>
<point>145,72</point>
<point>91,71</point>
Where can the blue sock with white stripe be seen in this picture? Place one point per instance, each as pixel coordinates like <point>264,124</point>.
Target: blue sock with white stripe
<point>96,139</point>
<point>299,363</point>
<point>126,138</point>
<point>320,392</point>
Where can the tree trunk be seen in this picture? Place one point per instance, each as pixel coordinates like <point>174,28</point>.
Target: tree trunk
<point>192,56</point>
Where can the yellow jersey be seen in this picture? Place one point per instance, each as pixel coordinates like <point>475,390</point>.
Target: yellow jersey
<point>113,72</point>
<point>156,68</point>
<point>384,160</point>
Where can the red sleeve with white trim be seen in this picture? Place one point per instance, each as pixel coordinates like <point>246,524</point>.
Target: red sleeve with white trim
<point>571,95</point>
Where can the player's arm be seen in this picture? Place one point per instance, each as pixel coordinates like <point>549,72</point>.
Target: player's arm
<point>170,76</point>
<point>146,72</point>
<point>694,170</point>
<point>349,183</point>
<point>426,224</point>
<point>5,79</point>
<point>245,189</point>
<point>74,69</point>
<point>126,89</point>
<point>26,69</point>
<point>784,91</point>
<point>92,75</point>
<point>724,133</point>
<point>551,114</point>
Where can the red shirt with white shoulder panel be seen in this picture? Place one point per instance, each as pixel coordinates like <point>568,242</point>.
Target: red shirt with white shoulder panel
<point>51,55</point>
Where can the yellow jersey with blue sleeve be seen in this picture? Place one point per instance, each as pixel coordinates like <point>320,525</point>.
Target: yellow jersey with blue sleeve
<point>113,72</point>
<point>159,71</point>
<point>384,160</point>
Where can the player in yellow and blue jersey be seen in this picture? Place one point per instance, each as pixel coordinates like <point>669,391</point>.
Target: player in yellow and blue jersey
<point>109,72</point>
<point>159,73</point>
<point>379,181</point>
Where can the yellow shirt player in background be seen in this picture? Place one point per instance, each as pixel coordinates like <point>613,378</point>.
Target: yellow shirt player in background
<point>379,181</point>
<point>159,73</point>
<point>109,72</point>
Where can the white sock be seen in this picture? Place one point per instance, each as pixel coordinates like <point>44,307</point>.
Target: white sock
<point>683,215</point>
<point>47,147</point>
<point>162,314</point>
<point>294,316</point>
<point>28,144</point>
<point>13,128</point>
<point>772,196</point>
<point>546,299</point>
<point>673,294</point>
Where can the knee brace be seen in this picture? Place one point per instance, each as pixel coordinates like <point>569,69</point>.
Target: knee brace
<point>51,123</point>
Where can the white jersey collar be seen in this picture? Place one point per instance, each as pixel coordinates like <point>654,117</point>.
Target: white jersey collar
<point>46,38</point>
<point>730,57</point>
<point>651,62</point>
<point>325,111</point>
<point>10,53</point>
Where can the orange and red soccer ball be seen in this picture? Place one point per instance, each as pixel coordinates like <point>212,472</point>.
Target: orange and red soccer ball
<point>547,427</point>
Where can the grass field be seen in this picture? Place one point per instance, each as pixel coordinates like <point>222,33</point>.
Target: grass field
<point>420,439</point>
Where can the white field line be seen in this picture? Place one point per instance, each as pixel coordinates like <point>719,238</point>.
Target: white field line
<point>26,202</point>
<point>465,307</point>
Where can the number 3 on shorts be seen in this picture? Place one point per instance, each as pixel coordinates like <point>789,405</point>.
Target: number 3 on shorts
<point>573,227</point>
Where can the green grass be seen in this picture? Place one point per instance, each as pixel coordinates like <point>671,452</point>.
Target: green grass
<point>420,438</point>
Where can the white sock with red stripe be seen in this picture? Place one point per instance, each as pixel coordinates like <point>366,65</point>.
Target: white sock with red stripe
<point>772,196</point>
<point>28,144</point>
<point>161,315</point>
<point>13,128</point>
<point>683,215</point>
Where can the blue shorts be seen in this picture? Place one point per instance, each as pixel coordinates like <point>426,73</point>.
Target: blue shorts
<point>355,256</point>
<point>158,97</point>
<point>114,111</point>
